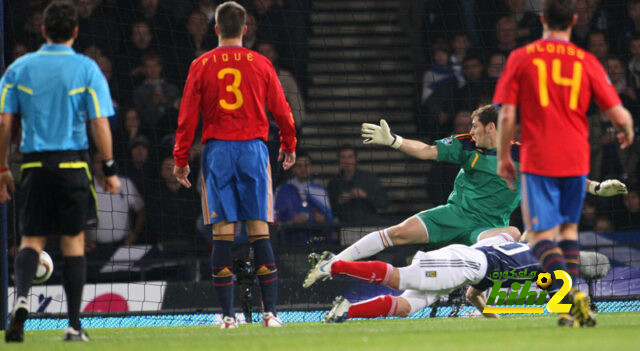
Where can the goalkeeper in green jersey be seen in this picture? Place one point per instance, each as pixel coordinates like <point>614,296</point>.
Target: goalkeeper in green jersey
<point>479,206</point>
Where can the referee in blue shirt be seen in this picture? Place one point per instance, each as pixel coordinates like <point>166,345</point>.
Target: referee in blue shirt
<point>54,89</point>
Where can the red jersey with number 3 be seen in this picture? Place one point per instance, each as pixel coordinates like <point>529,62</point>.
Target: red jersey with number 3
<point>229,87</point>
<point>552,83</point>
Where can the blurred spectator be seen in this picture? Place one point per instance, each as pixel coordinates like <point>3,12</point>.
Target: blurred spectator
<point>604,225</point>
<point>631,23</point>
<point>250,39</point>
<point>439,73</point>
<point>197,40</point>
<point>462,122</point>
<point>598,45</point>
<point>172,211</point>
<point>138,168</point>
<point>355,195</point>
<point>93,51</point>
<point>286,30</point>
<point>19,49</point>
<point>495,67</point>
<point>208,8</point>
<point>30,31</point>
<point>107,69</point>
<point>301,200</point>
<point>155,97</point>
<point>528,23</point>
<point>476,89</point>
<point>197,30</point>
<point>114,212</point>
<point>506,35</point>
<point>589,216</point>
<point>634,64</point>
<point>130,67</point>
<point>459,48</point>
<point>580,32</point>
<point>289,85</point>
<point>630,218</point>
<point>131,127</point>
<point>605,162</point>
<point>100,26</point>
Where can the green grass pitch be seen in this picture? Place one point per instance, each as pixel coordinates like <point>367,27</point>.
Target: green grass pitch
<point>615,331</point>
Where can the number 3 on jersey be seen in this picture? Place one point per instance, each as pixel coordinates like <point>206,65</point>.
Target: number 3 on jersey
<point>232,88</point>
<point>556,75</point>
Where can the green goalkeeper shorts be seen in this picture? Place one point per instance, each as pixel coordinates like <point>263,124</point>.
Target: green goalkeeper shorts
<point>448,224</point>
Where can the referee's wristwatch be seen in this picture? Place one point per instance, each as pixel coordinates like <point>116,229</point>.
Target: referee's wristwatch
<point>109,168</point>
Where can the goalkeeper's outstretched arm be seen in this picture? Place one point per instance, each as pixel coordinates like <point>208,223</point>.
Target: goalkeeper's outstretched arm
<point>382,135</point>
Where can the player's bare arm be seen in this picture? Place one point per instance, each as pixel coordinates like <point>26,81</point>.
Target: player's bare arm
<point>506,129</point>
<point>102,136</point>
<point>621,119</point>
<point>479,300</point>
<point>6,178</point>
<point>382,135</point>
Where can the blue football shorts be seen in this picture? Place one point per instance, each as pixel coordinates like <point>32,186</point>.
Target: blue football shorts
<point>236,181</point>
<point>548,201</point>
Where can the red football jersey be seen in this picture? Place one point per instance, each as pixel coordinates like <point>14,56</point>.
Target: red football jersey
<point>229,86</point>
<point>552,83</point>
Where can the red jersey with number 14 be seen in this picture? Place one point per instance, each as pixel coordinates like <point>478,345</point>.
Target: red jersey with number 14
<point>229,87</point>
<point>552,83</point>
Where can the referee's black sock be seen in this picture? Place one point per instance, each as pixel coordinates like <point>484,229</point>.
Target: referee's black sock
<point>74,275</point>
<point>26,265</point>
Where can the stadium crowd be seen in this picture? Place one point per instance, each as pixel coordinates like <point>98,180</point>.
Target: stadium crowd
<point>145,47</point>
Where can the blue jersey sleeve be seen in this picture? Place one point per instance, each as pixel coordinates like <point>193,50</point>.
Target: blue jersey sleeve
<point>99,97</point>
<point>8,93</point>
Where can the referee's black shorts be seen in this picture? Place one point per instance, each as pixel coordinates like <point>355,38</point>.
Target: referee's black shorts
<point>56,195</point>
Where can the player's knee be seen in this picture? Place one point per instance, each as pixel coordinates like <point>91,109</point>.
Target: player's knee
<point>401,235</point>
<point>404,307</point>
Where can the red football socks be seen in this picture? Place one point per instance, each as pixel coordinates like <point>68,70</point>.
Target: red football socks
<point>381,306</point>
<point>372,271</point>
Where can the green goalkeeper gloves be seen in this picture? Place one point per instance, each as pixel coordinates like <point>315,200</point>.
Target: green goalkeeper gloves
<point>609,187</point>
<point>380,134</point>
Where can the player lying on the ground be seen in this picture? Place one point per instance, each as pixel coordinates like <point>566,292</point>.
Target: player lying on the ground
<point>480,204</point>
<point>431,275</point>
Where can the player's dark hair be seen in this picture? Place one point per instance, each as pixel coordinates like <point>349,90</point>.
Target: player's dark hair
<point>231,19</point>
<point>348,146</point>
<point>60,19</point>
<point>559,13</point>
<point>486,114</point>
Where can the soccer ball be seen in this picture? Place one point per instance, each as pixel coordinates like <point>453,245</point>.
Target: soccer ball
<point>45,268</point>
<point>544,280</point>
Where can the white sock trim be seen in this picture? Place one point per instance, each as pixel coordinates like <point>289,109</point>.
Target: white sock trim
<point>387,276</point>
<point>386,240</point>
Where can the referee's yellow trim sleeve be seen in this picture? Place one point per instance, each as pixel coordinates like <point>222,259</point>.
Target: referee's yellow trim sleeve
<point>25,89</point>
<point>95,101</point>
<point>77,91</point>
<point>94,97</point>
<point>30,165</point>
<point>4,95</point>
